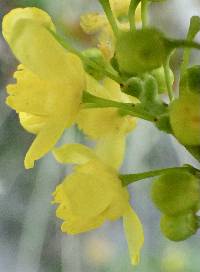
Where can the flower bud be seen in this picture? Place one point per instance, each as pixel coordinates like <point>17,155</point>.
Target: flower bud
<point>95,56</point>
<point>150,93</point>
<point>140,51</point>
<point>159,75</point>
<point>185,119</point>
<point>176,193</point>
<point>178,228</point>
<point>190,81</point>
<point>133,87</point>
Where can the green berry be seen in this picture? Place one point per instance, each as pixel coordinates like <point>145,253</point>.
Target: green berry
<point>159,75</point>
<point>179,228</point>
<point>176,192</point>
<point>185,119</point>
<point>140,51</point>
<point>190,81</point>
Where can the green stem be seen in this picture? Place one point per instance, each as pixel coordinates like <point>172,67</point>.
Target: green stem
<point>167,79</point>
<point>144,13</point>
<point>109,14</point>
<point>131,13</point>
<point>130,178</point>
<point>91,101</point>
<point>193,30</point>
<point>172,44</point>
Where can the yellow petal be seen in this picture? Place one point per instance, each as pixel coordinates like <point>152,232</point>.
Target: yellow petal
<point>14,16</point>
<point>27,33</point>
<point>88,195</point>
<point>36,97</point>
<point>73,153</point>
<point>80,225</point>
<point>111,149</point>
<point>134,234</point>
<point>32,123</point>
<point>44,141</point>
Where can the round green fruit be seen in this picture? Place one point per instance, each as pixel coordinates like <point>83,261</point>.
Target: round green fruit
<point>179,228</point>
<point>184,115</point>
<point>190,81</point>
<point>140,51</point>
<point>176,192</point>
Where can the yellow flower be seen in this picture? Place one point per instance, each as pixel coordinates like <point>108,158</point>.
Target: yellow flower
<point>49,82</point>
<point>107,125</point>
<point>94,22</point>
<point>93,194</point>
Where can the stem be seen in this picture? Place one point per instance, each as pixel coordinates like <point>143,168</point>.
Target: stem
<point>144,13</point>
<point>109,14</point>
<point>131,13</point>
<point>130,178</point>
<point>167,79</point>
<point>193,30</point>
<point>91,101</point>
<point>172,44</point>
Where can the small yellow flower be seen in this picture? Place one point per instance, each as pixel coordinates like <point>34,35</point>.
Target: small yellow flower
<point>107,125</point>
<point>49,82</point>
<point>93,194</point>
<point>94,22</point>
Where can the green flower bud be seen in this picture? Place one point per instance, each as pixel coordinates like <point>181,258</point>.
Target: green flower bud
<point>150,93</point>
<point>95,55</point>
<point>140,51</point>
<point>190,81</point>
<point>159,75</point>
<point>185,119</point>
<point>176,192</point>
<point>178,228</point>
<point>133,87</point>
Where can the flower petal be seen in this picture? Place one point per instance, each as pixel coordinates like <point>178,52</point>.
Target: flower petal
<point>79,225</point>
<point>73,153</point>
<point>134,234</point>
<point>44,141</point>
<point>28,36</point>
<point>86,195</point>
<point>110,149</point>
<point>32,123</point>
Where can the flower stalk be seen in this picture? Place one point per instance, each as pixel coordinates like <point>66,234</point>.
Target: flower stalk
<point>131,178</point>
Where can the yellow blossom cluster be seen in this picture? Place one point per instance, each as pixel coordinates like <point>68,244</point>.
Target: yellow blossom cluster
<point>47,96</point>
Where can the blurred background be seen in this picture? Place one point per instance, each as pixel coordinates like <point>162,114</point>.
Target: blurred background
<point>30,236</point>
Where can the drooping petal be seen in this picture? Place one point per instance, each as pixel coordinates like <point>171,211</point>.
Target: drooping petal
<point>44,141</point>
<point>111,149</point>
<point>28,35</point>
<point>134,234</point>
<point>73,153</point>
